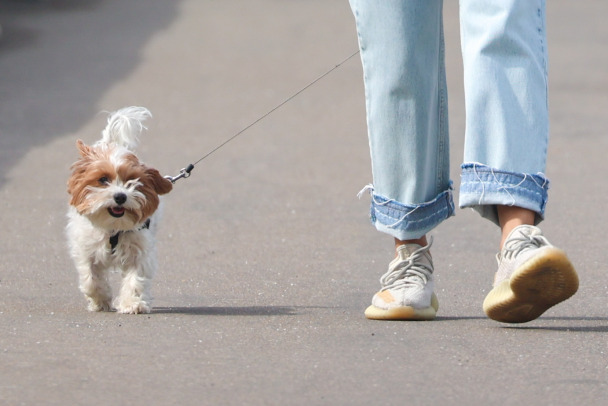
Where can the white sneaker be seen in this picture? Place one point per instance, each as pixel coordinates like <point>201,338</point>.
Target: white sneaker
<point>407,287</point>
<point>532,276</point>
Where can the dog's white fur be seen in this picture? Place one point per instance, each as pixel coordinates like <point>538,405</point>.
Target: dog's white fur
<point>113,193</point>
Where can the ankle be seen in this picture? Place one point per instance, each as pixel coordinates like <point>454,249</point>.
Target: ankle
<point>511,217</point>
<point>420,241</point>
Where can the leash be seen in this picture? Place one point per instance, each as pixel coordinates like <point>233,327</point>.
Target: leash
<point>185,172</point>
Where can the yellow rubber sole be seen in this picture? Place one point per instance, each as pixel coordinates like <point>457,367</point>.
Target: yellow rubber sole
<point>404,313</point>
<point>537,285</point>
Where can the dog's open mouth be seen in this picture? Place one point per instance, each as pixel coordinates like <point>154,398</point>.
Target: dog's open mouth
<point>116,211</point>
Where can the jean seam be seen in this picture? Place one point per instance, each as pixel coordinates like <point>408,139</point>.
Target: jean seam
<point>443,202</point>
<point>543,52</point>
<point>443,128</point>
<point>506,186</point>
<point>399,220</point>
<point>473,191</point>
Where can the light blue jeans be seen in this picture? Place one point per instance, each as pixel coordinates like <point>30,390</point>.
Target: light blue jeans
<point>505,76</point>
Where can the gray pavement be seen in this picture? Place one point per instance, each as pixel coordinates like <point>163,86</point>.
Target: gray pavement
<point>267,258</point>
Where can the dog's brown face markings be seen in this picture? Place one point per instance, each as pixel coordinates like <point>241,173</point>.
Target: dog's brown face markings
<point>102,167</point>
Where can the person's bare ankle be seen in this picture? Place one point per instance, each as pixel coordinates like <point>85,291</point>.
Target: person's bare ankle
<point>420,241</point>
<point>510,217</point>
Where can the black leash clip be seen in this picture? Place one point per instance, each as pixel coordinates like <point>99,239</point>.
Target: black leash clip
<point>183,173</point>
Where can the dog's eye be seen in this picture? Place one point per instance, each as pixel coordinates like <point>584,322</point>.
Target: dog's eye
<point>104,180</point>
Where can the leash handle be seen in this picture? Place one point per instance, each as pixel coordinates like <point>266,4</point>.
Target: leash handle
<point>183,173</point>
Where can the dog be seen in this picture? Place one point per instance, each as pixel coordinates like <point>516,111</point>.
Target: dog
<point>113,214</point>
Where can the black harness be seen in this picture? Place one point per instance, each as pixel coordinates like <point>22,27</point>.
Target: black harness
<point>114,238</point>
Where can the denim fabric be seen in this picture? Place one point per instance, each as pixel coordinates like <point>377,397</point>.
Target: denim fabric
<point>410,221</point>
<point>482,188</point>
<point>505,62</point>
<point>406,97</point>
<point>505,76</point>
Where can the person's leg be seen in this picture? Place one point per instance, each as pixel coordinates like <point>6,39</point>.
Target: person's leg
<point>401,46</point>
<point>511,217</point>
<point>505,62</point>
<point>422,241</point>
<point>507,123</point>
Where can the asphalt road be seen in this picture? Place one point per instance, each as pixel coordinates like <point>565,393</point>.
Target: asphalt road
<point>267,258</point>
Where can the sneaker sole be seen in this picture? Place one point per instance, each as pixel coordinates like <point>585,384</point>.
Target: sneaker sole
<point>404,313</point>
<point>537,285</point>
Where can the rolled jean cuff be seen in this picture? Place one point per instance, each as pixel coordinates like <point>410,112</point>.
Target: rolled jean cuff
<point>483,188</point>
<point>405,221</point>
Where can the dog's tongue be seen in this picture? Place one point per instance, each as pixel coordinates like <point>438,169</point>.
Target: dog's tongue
<point>118,210</point>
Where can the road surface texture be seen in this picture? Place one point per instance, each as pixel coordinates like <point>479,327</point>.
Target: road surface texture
<point>267,258</point>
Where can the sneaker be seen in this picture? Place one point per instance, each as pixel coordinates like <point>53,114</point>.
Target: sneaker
<point>407,287</point>
<point>532,276</point>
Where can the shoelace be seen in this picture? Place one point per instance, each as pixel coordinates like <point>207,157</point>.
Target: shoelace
<point>515,245</point>
<point>408,272</point>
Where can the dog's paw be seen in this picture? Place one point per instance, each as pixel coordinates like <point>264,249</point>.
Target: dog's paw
<point>102,306</point>
<point>134,308</point>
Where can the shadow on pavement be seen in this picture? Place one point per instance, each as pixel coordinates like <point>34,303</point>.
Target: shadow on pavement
<point>231,311</point>
<point>601,327</point>
<point>59,57</point>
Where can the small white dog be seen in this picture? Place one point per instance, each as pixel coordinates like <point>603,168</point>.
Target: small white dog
<point>113,213</point>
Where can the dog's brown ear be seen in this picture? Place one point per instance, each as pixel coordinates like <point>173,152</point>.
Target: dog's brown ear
<point>160,184</point>
<point>84,149</point>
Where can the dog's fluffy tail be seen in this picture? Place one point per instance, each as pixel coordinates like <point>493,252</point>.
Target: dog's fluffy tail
<point>124,126</point>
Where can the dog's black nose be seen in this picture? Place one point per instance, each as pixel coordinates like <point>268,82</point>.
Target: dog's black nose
<point>120,198</point>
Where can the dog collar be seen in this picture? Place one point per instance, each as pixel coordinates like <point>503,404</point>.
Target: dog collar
<point>114,238</point>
